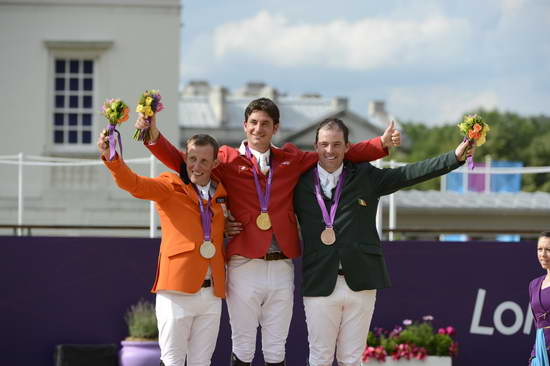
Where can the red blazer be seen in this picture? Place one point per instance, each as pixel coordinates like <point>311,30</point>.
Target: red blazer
<point>235,172</point>
<point>180,266</point>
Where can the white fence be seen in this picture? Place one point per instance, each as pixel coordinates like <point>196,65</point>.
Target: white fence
<point>21,161</point>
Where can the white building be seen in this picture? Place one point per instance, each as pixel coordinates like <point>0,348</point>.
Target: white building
<point>60,60</point>
<point>220,112</point>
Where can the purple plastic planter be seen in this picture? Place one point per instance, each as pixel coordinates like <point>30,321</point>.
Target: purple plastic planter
<point>138,353</point>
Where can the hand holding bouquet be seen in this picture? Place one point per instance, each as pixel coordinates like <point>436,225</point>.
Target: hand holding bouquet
<point>475,132</point>
<point>116,112</point>
<point>149,104</point>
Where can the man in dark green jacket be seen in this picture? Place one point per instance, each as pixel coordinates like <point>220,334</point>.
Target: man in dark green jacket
<point>343,263</point>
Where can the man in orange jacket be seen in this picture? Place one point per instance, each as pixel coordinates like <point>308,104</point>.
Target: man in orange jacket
<point>190,279</point>
<point>260,179</point>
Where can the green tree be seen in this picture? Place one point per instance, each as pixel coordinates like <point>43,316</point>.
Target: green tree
<point>512,137</point>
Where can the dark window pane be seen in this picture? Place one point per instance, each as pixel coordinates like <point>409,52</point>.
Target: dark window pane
<point>59,66</point>
<point>73,101</point>
<point>73,137</point>
<point>88,66</point>
<point>86,137</point>
<point>88,84</point>
<point>58,119</point>
<point>87,101</point>
<point>58,136</point>
<point>59,101</point>
<point>73,66</point>
<point>73,84</point>
<point>59,84</point>
<point>73,119</point>
<point>86,119</point>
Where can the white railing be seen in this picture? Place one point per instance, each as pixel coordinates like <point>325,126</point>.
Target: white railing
<point>22,160</point>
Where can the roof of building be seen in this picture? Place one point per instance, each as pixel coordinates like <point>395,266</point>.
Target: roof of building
<point>520,201</point>
<point>296,112</point>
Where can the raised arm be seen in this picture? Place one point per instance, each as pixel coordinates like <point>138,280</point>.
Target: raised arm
<point>159,146</point>
<point>375,148</point>
<point>154,189</point>
<point>391,180</point>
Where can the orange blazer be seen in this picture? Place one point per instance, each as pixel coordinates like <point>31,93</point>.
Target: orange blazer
<point>180,265</point>
<point>235,171</point>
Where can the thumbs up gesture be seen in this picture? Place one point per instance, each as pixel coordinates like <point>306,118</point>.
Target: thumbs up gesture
<point>392,136</point>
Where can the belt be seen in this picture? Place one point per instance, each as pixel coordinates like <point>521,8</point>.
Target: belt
<point>206,283</point>
<point>274,256</point>
<point>340,272</point>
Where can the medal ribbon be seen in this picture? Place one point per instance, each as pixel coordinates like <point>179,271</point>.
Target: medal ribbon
<point>328,219</point>
<point>206,217</point>
<point>111,130</point>
<point>263,198</point>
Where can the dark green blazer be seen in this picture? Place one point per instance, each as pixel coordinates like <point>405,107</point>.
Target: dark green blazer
<point>357,244</point>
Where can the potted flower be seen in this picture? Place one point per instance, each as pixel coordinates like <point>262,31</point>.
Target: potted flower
<point>413,344</point>
<point>141,347</point>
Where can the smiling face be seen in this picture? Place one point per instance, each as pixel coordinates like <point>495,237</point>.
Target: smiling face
<point>331,147</point>
<point>200,162</point>
<point>259,129</point>
<point>543,252</point>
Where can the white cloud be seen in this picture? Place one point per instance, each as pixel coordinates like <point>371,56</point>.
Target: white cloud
<point>362,45</point>
<point>439,104</point>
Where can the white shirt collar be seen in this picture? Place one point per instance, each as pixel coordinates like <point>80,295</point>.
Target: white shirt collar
<point>257,154</point>
<point>324,175</point>
<point>204,190</point>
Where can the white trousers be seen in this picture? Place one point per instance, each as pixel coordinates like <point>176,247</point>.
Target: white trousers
<point>340,321</point>
<point>260,292</point>
<point>188,326</point>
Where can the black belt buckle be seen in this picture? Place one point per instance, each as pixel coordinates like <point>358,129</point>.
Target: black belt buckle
<point>273,256</point>
<point>206,283</point>
<point>340,272</point>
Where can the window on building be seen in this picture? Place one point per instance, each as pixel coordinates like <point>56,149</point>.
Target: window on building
<point>73,104</point>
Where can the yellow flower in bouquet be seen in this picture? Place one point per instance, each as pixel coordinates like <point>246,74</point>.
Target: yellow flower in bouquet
<point>149,103</point>
<point>474,129</point>
<point>116,112</point>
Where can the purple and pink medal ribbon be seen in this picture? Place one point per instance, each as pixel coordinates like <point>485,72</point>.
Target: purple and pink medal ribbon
<point>206,218</point>
<point>328,218</point>
<point>263,198</point>
<point>469,159</point>
<point>112,147</point>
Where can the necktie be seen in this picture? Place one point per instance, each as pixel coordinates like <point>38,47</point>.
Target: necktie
<point>264,164</point>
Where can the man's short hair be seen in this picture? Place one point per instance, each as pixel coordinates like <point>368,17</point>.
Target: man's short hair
<point>203,140</point>
<point>544,234</point>
<point>263,104</point>
<point>333,123</point>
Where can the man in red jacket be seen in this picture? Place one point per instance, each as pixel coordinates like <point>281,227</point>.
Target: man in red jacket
<point>260,179</point>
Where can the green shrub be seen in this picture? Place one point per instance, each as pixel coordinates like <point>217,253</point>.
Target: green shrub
<point>142,321</point>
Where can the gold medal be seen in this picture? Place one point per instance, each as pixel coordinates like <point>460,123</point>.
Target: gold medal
<point>207,249</point>
<point>263,221</point>
<point>328,236</point>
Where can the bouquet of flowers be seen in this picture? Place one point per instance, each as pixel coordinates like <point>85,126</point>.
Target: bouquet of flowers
<point>149,104</point>
<point>475,131</point>
<point>413,340</point>
<point>116,112</point>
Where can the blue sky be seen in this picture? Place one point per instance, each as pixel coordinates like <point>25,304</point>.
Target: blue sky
<point>431,61</point>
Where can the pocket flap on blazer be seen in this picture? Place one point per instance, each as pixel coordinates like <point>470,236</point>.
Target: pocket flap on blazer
<point>371,249</point>
<point>180,248</point>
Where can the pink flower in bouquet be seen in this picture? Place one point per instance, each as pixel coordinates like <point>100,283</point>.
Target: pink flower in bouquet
<point>149,104</point>
<point>450,330</point>
<point>441,331</point>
